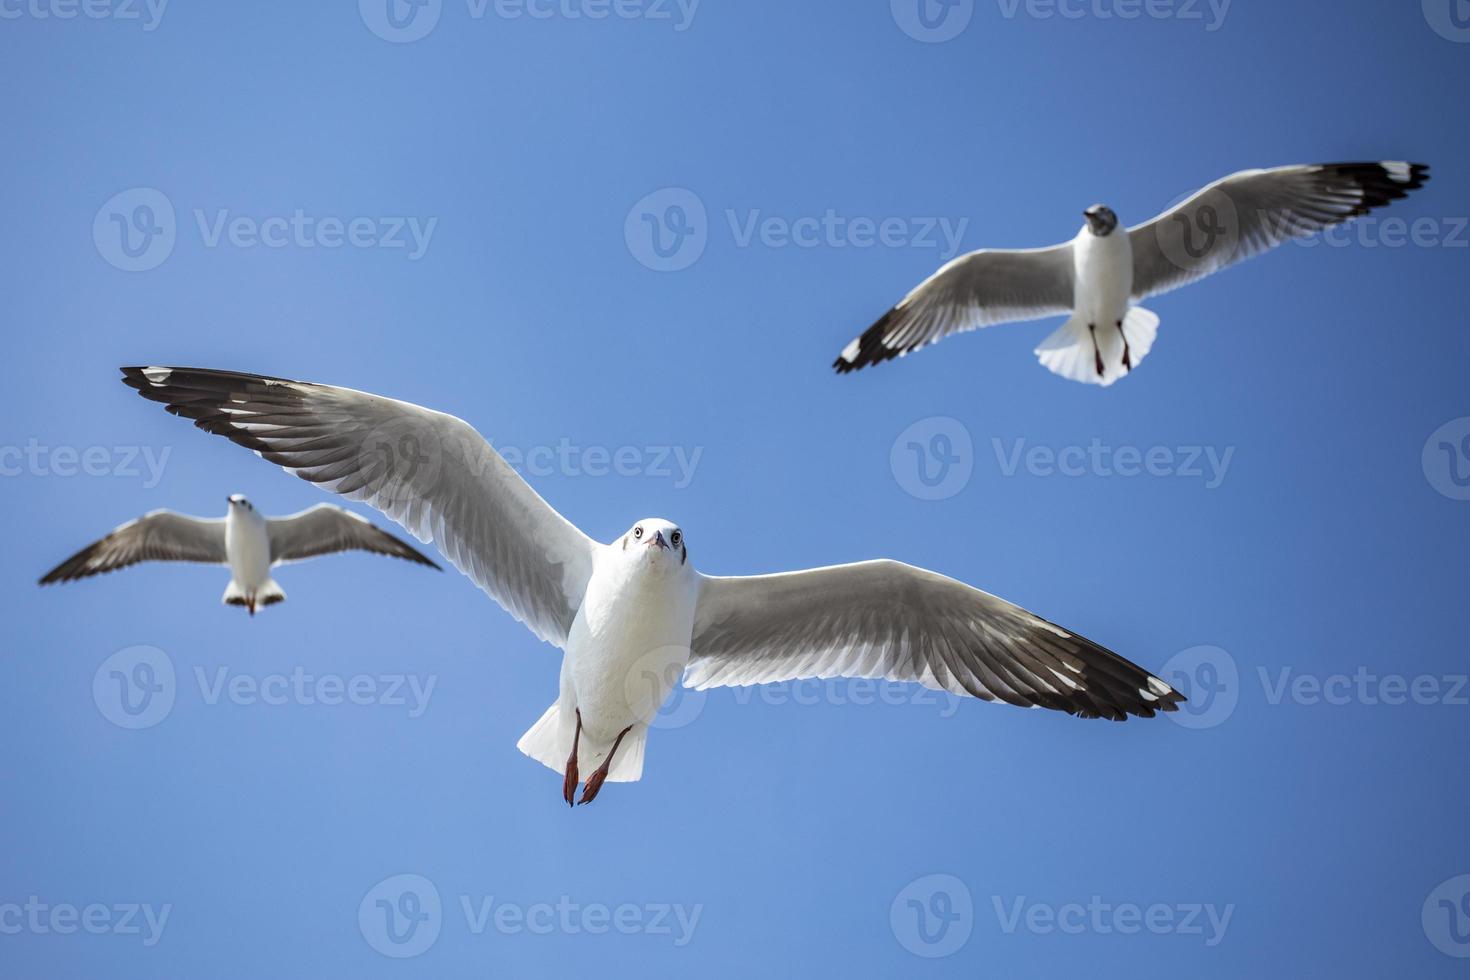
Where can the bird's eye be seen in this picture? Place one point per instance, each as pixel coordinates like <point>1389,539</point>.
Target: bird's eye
<point>676,537</point>
<point>638,532</point>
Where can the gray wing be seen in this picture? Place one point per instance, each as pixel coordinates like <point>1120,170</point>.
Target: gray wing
<point>1254,211</point>
<point>428,471</point>
<point>885,619</point>
<point>975,290</point>
<point>161,535</point>
<point>326,529</point>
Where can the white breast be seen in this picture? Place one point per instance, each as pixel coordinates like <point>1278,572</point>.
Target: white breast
<point>629,644</point>
<point>1104,276</point>
<point>247,545</point>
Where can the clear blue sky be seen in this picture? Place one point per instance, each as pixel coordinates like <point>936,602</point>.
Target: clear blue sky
<point>1330,546</point>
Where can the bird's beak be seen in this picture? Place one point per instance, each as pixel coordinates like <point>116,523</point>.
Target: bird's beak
<point>658,539</point>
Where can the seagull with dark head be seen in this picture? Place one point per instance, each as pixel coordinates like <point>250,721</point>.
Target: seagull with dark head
<point>1098,278</point>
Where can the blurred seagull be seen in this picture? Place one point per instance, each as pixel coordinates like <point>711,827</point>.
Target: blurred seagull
<point>251,544</point>
<point>1100,274</point>
<point>633,615</point>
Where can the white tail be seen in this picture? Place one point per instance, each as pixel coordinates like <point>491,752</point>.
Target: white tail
<point>1070,351</point>
<point>266,595</point>
<point>549,742</point>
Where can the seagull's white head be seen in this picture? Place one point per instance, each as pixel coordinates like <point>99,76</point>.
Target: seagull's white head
<point>656,542</point>
<point>1101,220</point>
<point>238,500</point>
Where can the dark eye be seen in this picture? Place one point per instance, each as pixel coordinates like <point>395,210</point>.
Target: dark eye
<point>638,532</point>
<point>676,537</point>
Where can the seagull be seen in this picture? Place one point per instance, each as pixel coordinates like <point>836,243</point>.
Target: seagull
<point>1097,277</point>
<point>633,616</point>
<point>250,543</point>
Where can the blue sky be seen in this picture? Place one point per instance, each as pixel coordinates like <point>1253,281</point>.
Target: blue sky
<point>456,219</point>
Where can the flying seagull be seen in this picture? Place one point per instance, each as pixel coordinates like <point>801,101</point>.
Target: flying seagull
<point>250,543</point>
<point>1096,278</point>
<point>633,616</point>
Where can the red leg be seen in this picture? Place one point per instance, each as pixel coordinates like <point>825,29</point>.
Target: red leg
<point>569,784</point>
<point>595,781</point>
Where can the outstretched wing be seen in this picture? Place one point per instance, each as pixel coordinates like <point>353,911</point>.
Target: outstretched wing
<point>975,290</point>
<point>428,471</point>
<point>885,619</point>
<point>161,535</point>
<point>1254,211</point>
<point>326,529</point>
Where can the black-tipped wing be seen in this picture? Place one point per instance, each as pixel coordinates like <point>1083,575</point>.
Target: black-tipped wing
<point>1251,212</point>
<point>885,619</point>
<point>161,535</point>
<point>973,291</point>
<point>428,471</point>
<point>326,529</point>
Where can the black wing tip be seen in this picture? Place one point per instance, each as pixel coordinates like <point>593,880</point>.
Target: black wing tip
<point>871,348</point>
<point>1381,181</point>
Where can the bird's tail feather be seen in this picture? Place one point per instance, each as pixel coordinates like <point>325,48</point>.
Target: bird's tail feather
<point>1070,351</point>
<point>549,742</point>
<point>267,595</point>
